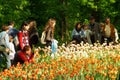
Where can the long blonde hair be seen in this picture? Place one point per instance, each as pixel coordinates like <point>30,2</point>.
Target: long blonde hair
<point>50,24</point>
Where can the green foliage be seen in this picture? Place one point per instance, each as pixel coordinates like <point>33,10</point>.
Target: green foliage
<point>66,12</point>
<point>14,10</point>
<point>86,21</point>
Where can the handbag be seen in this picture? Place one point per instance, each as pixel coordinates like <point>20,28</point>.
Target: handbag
<point>42,40</point>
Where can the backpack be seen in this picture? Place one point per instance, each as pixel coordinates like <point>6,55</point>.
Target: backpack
<point>54,45</point>
<point>42,40</point>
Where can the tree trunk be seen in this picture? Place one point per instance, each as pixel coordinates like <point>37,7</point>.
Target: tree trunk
<point>63,20</point>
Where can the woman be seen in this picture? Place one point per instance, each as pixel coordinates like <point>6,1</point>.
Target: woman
<point>33,33</point>
<point>23,36</point>
<point>78,33</point>
<point>49,30</point>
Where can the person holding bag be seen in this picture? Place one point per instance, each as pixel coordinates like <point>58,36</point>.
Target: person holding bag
<point>49,31</point>
<point>47,37</point>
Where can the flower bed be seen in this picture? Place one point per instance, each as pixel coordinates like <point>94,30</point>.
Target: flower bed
<point>74,62</point>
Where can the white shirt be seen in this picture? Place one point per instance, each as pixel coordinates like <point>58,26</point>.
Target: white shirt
<point>12,52</point>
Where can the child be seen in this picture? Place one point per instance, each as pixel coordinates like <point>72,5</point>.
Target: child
<point>87,33</point>
<point>12,52</point>
<point>24,55</point>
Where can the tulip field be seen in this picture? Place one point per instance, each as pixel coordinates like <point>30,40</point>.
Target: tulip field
<point>71,62</point>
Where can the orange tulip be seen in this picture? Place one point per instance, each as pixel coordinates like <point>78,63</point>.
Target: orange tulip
<point>87,77</point>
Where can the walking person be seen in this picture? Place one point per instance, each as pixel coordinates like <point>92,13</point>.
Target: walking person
<point>49,31</point>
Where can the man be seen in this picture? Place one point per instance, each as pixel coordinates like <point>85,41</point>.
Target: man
<point>95,28</point>
<point>109,31</point>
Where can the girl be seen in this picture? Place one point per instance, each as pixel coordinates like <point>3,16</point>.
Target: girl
<point>24,55</point>
<point>23,36</point>
<point>49,30</point>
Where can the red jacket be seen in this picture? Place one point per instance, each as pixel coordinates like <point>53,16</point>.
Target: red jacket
<point>22,57</point>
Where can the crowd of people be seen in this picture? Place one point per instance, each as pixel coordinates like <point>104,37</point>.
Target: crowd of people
<point>94,32</point>
<point>16,45</point>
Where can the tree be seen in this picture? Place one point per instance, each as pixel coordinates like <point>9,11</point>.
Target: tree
<point>66,12</point>
<point>14,10</point>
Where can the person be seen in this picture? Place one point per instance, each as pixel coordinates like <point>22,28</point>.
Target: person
<point>49,31</point>
<point>109,31</point>
<point>12,53</point>
<point>78,33</point>
<point>33,33</point>
<point>102,25</point>
<point>13,32</point>
<point>116,36</point>
<point>23,36</point>
<point>95,28</point>
<point>87,32</point>
<point>4,42</point>
<point>25,55</point>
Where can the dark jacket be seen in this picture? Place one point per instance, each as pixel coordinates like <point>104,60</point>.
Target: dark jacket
<point>96,31</point>
<point>33,37</point>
